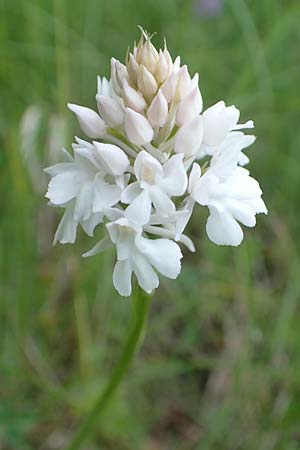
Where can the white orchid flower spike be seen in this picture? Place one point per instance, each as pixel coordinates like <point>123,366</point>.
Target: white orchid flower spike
<point>155,156</point>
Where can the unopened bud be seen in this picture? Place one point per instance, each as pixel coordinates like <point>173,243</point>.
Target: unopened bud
<point>189,107</point>
<point>113,74</point>
<point>162,68</point>
<point>137,128</point>
<point>158,110</point>
<point>103,87</point>
<point>189,137</point>
<point>132,68</point>
<point>184,83</point>
<point>146,82</point>
<point>121,72</point>
<point>168,59</point>
<point>169,87</point>
<point>176,65</point>
<point>138,50</point>
<point>110,110</point>
<point>195,80</point>
<point>133,98</point>
<point>149,56</point>
<point>90,122</point>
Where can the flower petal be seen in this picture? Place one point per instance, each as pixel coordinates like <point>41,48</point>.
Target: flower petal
<point>241,212</point>
<point>83,202</point>
<point>189,137</point>
<point>218,120</point>
<point>62,188</point>
<point>60,168</point>
<point>175,177</point>
<point>223,229</point>
<point>163,254</point>
<point>131,192</point>
<point>90,224</point>
<point>195,174</point>
<point>99,247</point>
<point>147,168</point>
<point>140,209</point>
<point>122,277</point>
<point>66,230</point>
<point>105,194</point>
<point>163,204</point>
<point>113,159</point>
<point>146,276</point>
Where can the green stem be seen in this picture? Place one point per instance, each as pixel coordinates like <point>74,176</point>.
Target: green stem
<point>141,304</point>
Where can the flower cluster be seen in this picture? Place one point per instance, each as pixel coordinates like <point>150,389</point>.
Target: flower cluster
<point>141,174</point>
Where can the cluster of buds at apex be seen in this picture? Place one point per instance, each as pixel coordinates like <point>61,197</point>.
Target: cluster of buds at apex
<point>160,90</point>
<point>141,175</point>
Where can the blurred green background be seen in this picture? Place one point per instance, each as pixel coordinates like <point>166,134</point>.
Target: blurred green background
<point>220,364</point>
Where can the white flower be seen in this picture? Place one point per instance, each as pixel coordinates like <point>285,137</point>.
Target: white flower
<point>154,186</point>
<point>218,121</point>
<point>231,195</point>
<point>86,185</point>
<point>142,256</point>
<point>236,139</point>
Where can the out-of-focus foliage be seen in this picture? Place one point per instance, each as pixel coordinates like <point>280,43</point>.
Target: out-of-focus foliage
<point>220,365</point>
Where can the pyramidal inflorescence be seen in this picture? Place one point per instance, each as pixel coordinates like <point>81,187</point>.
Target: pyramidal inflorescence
<point>153,155</point>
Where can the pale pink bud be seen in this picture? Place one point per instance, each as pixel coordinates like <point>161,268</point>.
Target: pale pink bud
<point>137,128</point>
<point>132,68</point>
<point>133,98</point>
<point>176,65</point>
<point>189,107</point>
<point>113,74</point>
<point>195,80</point>
<point>103,87</point>
<point>162,68</point>
<point>168,59</point>
<point>149,56</point>
<point>184,83</point>
<point>134,52</point>
<point>169,87</point>
<point>138,50</point>
<point>158,110</point>
<point>189,137</point>
<point>121,72</point>
<point>90,122</point>
<point>110,110</point>
<point>146,82</point>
